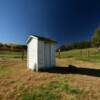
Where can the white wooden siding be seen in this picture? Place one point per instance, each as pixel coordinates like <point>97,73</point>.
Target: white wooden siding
<point>47,55</point>
<point>53,51</point>
<point>32,58</point>
<point>41,62</point>
<point>40,54</point>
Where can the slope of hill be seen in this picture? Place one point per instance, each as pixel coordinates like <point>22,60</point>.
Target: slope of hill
<point>90,54</point>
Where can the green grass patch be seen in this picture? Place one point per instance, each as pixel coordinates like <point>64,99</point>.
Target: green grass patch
<point>4,71</point>
<point>39,94</point>
<point>11,54</point>
<point>51,91</point>
<point>91,58</point>
<point>63,87</point>
<point>90,54</point>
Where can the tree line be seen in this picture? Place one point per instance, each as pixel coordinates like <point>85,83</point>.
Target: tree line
<point>12,47</point>
<point>77,45</point>
<point>93,42</point>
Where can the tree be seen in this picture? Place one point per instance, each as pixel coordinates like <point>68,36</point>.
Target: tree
<point>1,45</point>
<point>96,38</point>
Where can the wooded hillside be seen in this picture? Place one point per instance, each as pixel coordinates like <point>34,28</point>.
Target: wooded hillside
<point>12,47</point>
<point>77,45</point>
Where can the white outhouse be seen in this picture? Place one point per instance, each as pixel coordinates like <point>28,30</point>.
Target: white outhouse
<point>40,52</point>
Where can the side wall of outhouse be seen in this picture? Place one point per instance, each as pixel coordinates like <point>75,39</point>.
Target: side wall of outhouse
<point>53,55</point>
<point>46,54</point>
<point>41,53</point>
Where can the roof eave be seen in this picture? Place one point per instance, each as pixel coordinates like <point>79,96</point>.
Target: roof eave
<point>46,40</point>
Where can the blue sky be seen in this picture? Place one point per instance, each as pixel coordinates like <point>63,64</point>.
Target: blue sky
<point>63,20</point>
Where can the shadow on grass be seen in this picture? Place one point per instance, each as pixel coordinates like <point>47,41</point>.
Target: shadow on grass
<point>73,70</point>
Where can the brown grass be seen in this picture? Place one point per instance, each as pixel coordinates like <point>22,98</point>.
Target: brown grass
<point>14,76</point>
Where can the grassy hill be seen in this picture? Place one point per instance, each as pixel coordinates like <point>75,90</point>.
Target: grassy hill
<point>90,54</point>
<point>12,54</point>
<point>12,51</point>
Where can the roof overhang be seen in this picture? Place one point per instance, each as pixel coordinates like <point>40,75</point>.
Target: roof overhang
<point>40,38</point>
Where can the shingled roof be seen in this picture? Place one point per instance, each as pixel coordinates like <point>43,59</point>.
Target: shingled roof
<point>41,38</point>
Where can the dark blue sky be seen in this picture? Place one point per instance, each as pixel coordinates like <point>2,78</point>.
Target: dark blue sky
<point>63,20</point>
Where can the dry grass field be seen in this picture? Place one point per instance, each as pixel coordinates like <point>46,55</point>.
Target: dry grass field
<point>72,80</point>
<point>75,77</point>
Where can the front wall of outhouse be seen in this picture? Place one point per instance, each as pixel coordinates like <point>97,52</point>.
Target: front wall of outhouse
<point>32,58</point>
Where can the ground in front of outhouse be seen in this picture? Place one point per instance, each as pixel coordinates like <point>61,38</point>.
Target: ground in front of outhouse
<point>18,83</point>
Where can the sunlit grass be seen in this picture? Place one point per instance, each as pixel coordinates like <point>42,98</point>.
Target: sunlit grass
<point>11,54</point>
<point>90,54</point>
<point>52,91</point>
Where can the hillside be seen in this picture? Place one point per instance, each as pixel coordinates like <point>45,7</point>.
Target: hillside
<point>12,47</point>
<point>90,54</point>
